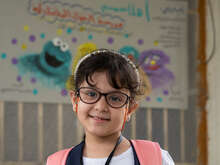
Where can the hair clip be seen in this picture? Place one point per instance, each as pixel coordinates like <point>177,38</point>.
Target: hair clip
<point>99,52</point>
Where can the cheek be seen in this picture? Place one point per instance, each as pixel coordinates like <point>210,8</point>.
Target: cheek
<point>82,111</point>
<point>118,115</point>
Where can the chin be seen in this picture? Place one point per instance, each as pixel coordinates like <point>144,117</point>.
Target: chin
<point>98,132</point>
<point>102,132</point>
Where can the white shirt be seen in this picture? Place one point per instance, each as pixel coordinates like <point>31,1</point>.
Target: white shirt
<point>127,158</point>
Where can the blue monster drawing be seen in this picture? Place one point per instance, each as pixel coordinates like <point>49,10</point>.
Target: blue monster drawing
<point>153,63</point>
<point>50,67</point>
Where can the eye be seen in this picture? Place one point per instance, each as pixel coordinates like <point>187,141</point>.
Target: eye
<point>116,97</point>
<point>88,95</point>
<point>147,60</point>
<point>57,41</point>
<point>91,94</point>
<point>64,47</point>
<point>156,58</point>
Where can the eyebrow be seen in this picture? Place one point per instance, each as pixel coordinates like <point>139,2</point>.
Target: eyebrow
<point>98,89</point>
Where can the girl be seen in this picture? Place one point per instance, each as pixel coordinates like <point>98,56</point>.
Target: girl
<point>105,89</point>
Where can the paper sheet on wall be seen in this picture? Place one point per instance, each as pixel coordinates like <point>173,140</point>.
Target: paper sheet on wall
<point>152,32</point>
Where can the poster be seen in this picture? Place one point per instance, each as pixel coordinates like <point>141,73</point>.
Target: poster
<point>153,32</point>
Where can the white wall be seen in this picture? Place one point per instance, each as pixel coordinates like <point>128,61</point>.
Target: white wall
<point>213,105</point>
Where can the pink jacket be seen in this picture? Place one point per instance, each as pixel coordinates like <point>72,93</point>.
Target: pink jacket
<point>149,153</point>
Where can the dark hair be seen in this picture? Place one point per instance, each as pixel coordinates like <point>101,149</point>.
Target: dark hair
<point>120,73</point>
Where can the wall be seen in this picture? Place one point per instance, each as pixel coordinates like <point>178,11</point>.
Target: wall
<point>51,127</point>
<point>214,87</point>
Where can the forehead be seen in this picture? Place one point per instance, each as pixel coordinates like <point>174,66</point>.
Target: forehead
<point>101,81</point>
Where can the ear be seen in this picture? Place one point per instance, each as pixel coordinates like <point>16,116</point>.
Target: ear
<point>73,99</point>
<point>132,108</point>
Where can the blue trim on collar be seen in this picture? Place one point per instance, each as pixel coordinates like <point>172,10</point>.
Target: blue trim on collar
<point>74,155</point>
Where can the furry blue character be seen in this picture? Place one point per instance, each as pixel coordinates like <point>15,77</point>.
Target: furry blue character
<point>51,67</point>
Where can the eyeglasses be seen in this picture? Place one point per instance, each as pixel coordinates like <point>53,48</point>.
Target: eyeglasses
<point>114,99</point>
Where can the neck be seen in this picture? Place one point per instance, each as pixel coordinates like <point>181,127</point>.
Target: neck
<point>99,146</point>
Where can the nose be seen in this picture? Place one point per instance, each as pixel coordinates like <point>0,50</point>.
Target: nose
<point>153,62</point>
<point>101,104</point>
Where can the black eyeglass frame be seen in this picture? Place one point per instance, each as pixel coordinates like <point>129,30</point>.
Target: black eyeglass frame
<point>102,94</point>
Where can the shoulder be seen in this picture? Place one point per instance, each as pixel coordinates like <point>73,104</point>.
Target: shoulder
<point>149,147</point>
<point>166,158</point>
<point>58,157</point>
<point>147,152</point>
<point>146,144</point>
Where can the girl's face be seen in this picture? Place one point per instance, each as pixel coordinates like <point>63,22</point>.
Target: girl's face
<point>99,118</point>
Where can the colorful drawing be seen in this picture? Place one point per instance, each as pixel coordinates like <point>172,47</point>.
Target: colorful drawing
<point>82,50</point>
<point>130,51</point>
<point>153,63</point>
<point>50,67</point>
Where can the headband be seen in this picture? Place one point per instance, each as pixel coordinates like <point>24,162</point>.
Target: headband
<point>100,51</point>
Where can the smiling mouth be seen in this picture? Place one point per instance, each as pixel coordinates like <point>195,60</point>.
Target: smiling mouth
<point>99,118</point>
<point>52,61</point>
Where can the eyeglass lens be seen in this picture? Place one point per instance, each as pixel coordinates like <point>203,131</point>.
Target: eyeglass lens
<point>114,99</point>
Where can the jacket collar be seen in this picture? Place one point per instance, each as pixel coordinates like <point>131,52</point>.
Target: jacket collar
<point>75,155</point>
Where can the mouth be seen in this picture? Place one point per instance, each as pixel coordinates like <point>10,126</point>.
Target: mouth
<point>155,67</point>
<point>52,61</point>
<point>99,118</point>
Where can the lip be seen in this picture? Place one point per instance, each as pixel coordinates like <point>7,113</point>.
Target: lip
<point>99,118</point>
